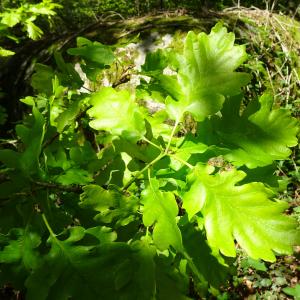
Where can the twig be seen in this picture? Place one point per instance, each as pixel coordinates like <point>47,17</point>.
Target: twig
<point>50,141</point>
<point>151,143</point>
<point>66,188</point>
<point>182,161</point>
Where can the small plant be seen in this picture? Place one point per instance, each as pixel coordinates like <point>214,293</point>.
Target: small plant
<point>104,199</point>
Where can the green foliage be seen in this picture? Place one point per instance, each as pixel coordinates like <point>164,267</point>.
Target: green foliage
<point>255,138</point>
<point>117,113</point>
<point>25,16</point>
<point>216,69</point>
<point>105,199</point>
<point>293,291</point>
<point>223,203</point>
<point>160,210</point>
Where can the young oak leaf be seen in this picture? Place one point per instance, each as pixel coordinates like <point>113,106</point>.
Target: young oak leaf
<point>240,212</point>
<point>109,270</point>
<point>32,137</point>
<point>95,55</point>
<point>110,206</point>
<point>160,210</point>
<point>211,268</point>
<point>21,248</point>
<point>205,74</point>
<point>94,52</point>
<point>256,138</point>
<point>18,255</point>
<point>117,113</point>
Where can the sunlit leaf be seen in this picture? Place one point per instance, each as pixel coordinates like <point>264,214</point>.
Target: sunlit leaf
<point>205,74</point>
<point>160,210</point>
<point>117,113</point>
<point>243,213</point>
<point>5,52</point>
<point>256,138</point>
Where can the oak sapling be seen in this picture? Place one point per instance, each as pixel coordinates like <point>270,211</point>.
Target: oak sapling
<point>141,204</point>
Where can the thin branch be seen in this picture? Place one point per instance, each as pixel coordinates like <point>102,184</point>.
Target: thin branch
<point>151,143</point>
<point>53,235</point>
<point>65,188</point>
<point>50,141</point>
<point>182,161</point>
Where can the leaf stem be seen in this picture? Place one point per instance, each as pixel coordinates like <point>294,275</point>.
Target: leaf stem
<point>66,188</point>
<point>182,161</point>
<point>193,267</point>
<point>48,226</point>
<point>139,173</point>
<point>171,136</point>
<point>55,239</point>
<point>151,143</point>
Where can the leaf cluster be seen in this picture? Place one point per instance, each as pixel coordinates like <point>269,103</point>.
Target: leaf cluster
<point>103,198</point>
<point>25,16</point>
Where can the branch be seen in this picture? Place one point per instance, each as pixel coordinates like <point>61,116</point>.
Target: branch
<point>50,141</point>
<point>65,188</point>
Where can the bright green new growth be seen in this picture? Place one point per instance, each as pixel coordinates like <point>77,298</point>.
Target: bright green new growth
<point>256,138</point>
<point>205,74</point>
<point>26,16</point>
<point>107,200</point>
<point>160,209</point>
<point>240,212</point>
<point>117,113</point>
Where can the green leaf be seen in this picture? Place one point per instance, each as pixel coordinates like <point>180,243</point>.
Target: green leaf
<point>10,158</point>
<point>190,146</point>
<point>21,248</point>
<point>75,176</point>
<point>171,283</point>
<point>41,80</point>
<point>34,32</point>
<point>102,233</point>
<point>155,62</point>
<point>205,74</point>
<point>160,210</point>
<point>32,137</point>
<point>256,138</point>
<point>67,75</point>
<point>295,291</point>
<point>117,113</point>
<point>107,271</point>
<point>70,270</point>
<point>18,255</point>
<point>112,206</point>
<point>239,212</point>
<point>42,9</point>
<point>141,277</point>
<point>5,52</point>
<point>11,18</point>
<point>68,116</point>
<point>265,282</point>
<point>249,262</point>
<point>94,52</point>
<point>208,265</point>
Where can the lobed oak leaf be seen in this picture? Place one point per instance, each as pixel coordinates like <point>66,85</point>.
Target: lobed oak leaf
<point>243,213</point>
